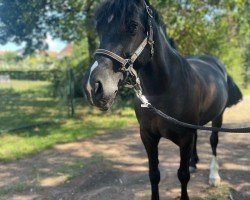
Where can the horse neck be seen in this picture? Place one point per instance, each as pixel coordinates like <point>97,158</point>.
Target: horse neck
<point>165,68</point>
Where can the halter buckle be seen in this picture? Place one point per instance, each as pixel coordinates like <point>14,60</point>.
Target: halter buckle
<point>149,11</point>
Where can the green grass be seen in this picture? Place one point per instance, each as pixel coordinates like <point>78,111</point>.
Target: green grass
<point>19,144</point>
<point>23,86</point>
<point>246,91</point>
<point>29,102</point>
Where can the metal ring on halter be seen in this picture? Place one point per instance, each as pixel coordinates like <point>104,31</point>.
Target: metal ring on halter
<point>128,64</point>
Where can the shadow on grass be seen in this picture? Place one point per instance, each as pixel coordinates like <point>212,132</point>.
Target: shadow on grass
<point>19,108</point>
<point>35,104</point>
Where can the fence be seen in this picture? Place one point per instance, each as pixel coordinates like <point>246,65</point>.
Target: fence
<point>4,79</point>
<point>33,98</point>
<point>30,75</point>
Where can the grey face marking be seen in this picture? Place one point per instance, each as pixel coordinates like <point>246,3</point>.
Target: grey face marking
<point>111,17</point>
<point>93,67</point>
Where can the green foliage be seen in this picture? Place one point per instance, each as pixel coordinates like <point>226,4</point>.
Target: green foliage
<point>79,62</point>
<point>244,37</point>
<point>9,57</point>
<point>79,55</point>
<point>22,21</point>
<point>36,61</point>
<point>215,27</point>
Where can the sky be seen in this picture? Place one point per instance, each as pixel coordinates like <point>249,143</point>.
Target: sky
<point>54,45</point>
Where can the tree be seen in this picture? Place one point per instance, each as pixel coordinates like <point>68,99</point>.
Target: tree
<point>22,21</point>
<point>32,21</point>
<point>9,57</point>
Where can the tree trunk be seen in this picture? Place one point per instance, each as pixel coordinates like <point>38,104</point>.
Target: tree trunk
<point>90,30</point>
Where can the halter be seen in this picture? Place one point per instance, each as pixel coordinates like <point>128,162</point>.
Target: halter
<point>127,64</point>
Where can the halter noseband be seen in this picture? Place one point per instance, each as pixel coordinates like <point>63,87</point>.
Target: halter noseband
<point>127,64</point>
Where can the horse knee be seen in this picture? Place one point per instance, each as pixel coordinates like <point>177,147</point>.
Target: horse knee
<point>184,176</point>
<point>154,176</point>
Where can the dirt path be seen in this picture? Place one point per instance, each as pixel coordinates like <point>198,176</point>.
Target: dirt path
<point>114,167</point>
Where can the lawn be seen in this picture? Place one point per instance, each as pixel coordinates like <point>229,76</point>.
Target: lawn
<point>246,91</point>
<point>30,102</point>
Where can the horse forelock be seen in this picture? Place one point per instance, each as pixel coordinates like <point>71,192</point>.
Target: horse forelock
<point>122,11</point>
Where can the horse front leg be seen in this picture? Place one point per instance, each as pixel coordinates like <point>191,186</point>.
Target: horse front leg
<point>151,142</point>
<point>186,148</point>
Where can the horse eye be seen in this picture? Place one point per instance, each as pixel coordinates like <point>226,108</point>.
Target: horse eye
<point>132,27</point>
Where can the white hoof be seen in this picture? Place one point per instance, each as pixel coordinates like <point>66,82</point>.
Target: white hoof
<point>214,182</point>
<point>192,169</point>
<point>214,177</point>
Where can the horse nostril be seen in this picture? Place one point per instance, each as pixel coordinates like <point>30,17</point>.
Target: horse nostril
<point>98,87</point>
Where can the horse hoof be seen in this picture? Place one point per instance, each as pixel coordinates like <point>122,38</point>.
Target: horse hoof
<point>214,182</point>
<point>192,169</point>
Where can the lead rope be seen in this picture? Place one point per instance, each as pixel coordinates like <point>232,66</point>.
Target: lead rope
<point>146,104</point>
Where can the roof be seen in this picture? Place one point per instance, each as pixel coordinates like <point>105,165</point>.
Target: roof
<point>49,53</point>
<point>66,51</point>
<point>4,52</point>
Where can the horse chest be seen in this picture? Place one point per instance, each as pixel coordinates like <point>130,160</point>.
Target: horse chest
<point>156,125</point>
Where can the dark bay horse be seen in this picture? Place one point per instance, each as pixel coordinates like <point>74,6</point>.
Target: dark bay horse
<point>196,90</point>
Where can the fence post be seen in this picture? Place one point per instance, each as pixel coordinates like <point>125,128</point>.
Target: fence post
<point>71,108</point>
